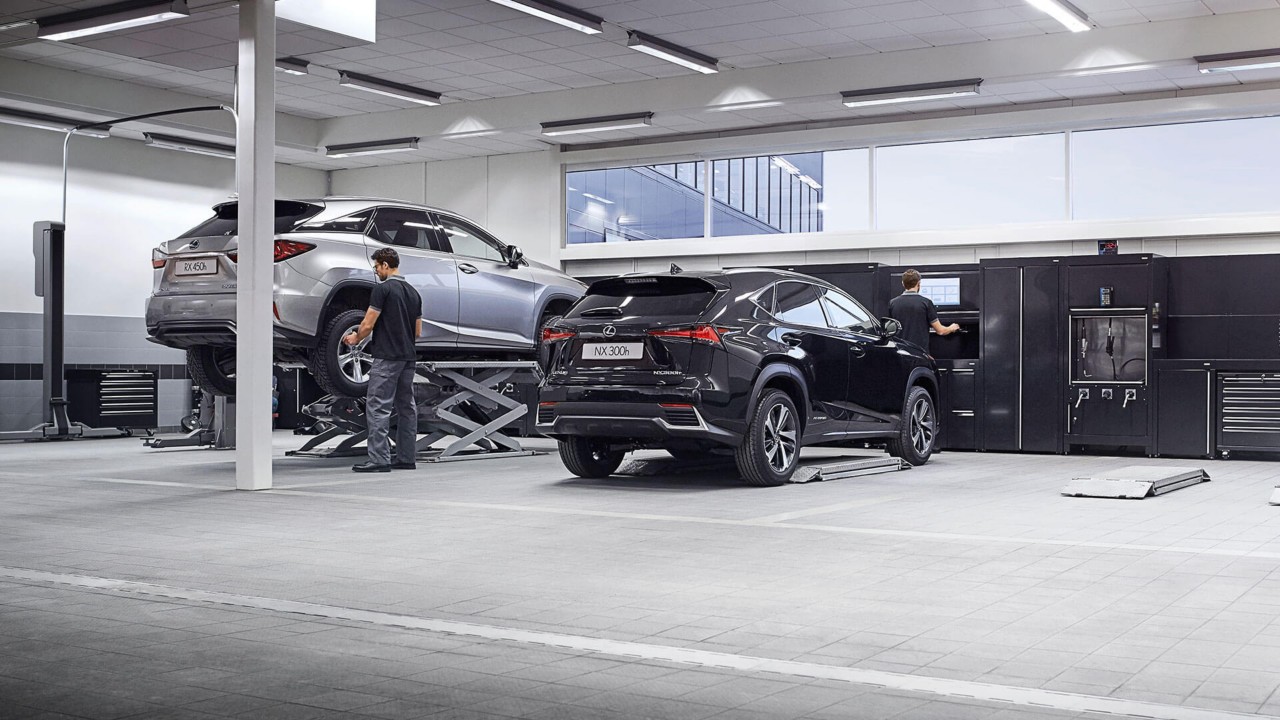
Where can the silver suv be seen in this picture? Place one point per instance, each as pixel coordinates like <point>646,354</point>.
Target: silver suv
<point>480,297</point>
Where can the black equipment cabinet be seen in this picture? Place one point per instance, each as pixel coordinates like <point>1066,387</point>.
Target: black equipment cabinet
<point>125,399</point>
<point>1248,412</point>
<point>958,295</point>
<point>1184,409</point>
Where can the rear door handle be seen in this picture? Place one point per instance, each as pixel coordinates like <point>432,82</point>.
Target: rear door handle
<point>468,268</point>
<point>792,339</point>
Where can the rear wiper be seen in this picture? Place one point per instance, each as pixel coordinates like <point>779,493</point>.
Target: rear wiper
<point>603,312</point>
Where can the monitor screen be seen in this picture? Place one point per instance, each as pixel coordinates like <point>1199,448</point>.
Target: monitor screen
<point>944,292</point>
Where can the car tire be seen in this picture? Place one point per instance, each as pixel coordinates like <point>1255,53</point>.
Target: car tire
<point>213,369</point>
<point>918,429</point>
<point>337,367</point>
<point>770,450</point>
<point>590,457</point>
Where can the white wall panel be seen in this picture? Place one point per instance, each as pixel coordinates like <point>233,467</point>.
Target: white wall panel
<point>524,204</point>
<point>396,182</point>
<point>124,198</point>
<point>461,186</point>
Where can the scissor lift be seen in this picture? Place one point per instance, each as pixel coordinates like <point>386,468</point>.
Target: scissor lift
<point>460,399</point>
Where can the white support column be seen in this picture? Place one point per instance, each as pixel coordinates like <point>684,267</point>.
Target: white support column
<point>256,185</point>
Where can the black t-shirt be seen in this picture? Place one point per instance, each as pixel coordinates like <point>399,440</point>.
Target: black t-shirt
<point>400,307</point>
<point>916,313</point>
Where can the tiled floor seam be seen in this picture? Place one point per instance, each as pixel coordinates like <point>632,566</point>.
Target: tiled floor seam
<point>936,686</point>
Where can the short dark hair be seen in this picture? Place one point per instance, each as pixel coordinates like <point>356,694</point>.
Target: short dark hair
<point>388,256</point>
<point>910,278</point>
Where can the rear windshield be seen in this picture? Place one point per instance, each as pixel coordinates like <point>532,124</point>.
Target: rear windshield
<point>289,215</point>
<point>664,296</point>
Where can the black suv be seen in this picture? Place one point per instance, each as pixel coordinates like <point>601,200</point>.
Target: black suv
<point>760,362</point>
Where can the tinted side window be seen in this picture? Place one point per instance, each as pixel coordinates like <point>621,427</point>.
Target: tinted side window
<point>355,223</point>
<point>800,304</point>
<point>402,227</point>
<point>469,240</point>
<point>845,312</point>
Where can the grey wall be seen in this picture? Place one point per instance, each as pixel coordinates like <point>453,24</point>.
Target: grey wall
<point>91,341</point>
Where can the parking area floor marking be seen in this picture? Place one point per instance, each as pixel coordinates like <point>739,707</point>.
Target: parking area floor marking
<point>937,686</point>
<point>881,532</point>
<point>823,510</point>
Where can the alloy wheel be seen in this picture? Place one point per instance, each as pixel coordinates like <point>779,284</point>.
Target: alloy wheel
<point>780,438</point>
<point>923,426</point>
<point>353,360</point>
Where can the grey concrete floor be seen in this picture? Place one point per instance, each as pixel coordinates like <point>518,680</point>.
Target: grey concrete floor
<point>137,583</point>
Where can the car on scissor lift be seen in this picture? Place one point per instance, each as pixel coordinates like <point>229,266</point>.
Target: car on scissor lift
<point>481,297</point>
<point>752,362</point>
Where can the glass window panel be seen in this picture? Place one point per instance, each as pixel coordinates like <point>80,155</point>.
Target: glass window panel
<point>845,199</point>
<point>799,303</point>
<point>971,182</point>
<point>465,239</point>
<point>845,312</point>
<point>720,180</point>
<point>1208,168</point>
<point>634,203</point>
<point>735,183</point>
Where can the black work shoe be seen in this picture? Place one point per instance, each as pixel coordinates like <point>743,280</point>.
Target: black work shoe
<point>404,466</point>
<point>369,467</point>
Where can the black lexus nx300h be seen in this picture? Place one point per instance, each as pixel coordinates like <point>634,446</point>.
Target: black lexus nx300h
<point>753,362</point>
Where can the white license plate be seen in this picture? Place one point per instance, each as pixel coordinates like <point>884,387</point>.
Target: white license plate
<point>612,351</point>
<point>203,266</point>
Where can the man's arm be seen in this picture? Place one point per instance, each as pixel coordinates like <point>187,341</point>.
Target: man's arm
<point>366,327</point>
<point>417,328</point>
<point>944,329</point>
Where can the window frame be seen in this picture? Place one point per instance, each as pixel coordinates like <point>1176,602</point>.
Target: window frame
<point>433,230</point>
<point>481,234</point>
<point>875,325</point>
<point>826,325</point>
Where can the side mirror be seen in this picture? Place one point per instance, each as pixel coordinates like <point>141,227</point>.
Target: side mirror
<point>515,256</point>
<point>891,327</point>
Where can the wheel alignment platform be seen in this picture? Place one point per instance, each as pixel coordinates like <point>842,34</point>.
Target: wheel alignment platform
<point>1136,482</point>
<point>804,474</point>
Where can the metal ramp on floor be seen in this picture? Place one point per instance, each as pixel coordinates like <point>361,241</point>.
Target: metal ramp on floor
<point>854,468</point>
<point>1275,496</point>
<point>1135,482</point>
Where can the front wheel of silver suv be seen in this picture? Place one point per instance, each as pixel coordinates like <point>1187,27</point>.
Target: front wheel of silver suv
<point>340,368</point>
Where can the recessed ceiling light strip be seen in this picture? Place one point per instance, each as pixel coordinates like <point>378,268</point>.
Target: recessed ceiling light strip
<point>1238,61</point>
<point>109,18</point>
<point>199,147</point>
<point>558,13</point>
<point>597,124</point>
<point>388,88</point>
<point>1071,17</point>
<point>672,52</point>
<point>372,147</point>
<point>910,93</point>
<point>293,66</point>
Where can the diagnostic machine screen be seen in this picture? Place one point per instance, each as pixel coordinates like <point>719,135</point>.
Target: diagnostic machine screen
<point>942,291</point>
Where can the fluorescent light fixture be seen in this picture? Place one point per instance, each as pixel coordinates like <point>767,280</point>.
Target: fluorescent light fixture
<point>109,18</point>
<point>911,93</point>
<point>597,198</point>
<point>558,13</point>
<point>1072,17</point>
<point>745,106</point>
<point>810,182</point>
<point>389,89</point>
<point>199,147</point>
<point>293,66</point>
<point>672,53</point>
<point>373,147</point>
<point>597,124</point>
<point>470,134</point>
<point>1237,61</point>
<point>784,165</point>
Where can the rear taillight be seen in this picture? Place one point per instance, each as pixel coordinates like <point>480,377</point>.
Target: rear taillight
<point>554,334</point>
<point>697,333</point>
<point>284,249</point>
<point>158,259</point>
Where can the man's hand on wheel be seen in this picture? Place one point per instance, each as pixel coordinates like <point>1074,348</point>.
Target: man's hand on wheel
<point>351,339</point>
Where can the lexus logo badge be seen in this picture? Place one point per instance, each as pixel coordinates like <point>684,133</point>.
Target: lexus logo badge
<point>194,244</point>
<point>610,331</point>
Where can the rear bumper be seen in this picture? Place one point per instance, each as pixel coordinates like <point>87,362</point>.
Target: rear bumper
<point>184,321</point>
<point>652,415</point>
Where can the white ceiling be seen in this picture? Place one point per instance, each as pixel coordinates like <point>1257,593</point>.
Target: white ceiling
<point>475,50</point>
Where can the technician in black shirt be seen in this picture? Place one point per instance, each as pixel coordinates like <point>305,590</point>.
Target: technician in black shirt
<point>916,313</point>
<point>396,308</point>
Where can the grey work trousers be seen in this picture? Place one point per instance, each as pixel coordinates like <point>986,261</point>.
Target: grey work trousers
<point>391,385</point>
